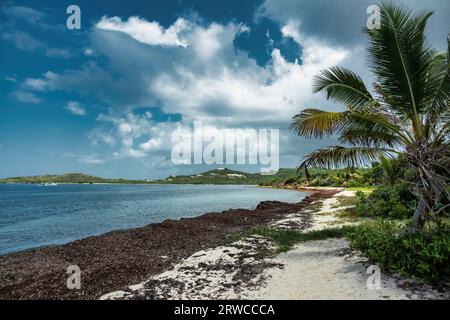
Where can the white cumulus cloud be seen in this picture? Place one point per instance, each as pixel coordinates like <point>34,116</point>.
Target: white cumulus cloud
<point>26,97</point>
<point>76,108</point>
<point>147,32</point>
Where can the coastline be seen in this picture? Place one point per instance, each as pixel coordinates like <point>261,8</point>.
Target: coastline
<point>121,258</point>
<point>304,188</point>
<point>253,267</point>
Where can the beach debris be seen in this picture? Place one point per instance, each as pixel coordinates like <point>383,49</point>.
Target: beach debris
<point>220,273</point>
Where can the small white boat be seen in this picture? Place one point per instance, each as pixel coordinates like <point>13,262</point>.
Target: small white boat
<point>49,184</point>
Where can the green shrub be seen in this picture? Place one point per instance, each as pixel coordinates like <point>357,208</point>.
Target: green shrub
<point>356,184</point>
<point>292,180</point>
<point>395,202</point>
<point>423,255</point>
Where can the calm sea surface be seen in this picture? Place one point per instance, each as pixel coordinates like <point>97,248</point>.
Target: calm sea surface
<point>33,216</point>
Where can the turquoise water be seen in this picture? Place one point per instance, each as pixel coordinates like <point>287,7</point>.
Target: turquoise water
<point>33,216</point>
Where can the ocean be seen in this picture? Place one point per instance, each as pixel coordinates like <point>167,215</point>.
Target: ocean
<point>33,216</point>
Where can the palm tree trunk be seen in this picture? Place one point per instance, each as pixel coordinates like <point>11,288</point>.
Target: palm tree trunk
<point>418,218</point>
<point>307,174</point>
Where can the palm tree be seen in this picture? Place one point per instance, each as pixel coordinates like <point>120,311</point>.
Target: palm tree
<point>408,110</point>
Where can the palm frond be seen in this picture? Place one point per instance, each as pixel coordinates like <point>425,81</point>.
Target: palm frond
<point>438,89</point>
<point>371,129</point>
<point>401,60</point>
<point>339,157</point>
<point>353,126</point>
<point>344,86</point>
<point>315,123</point>
<point>374,138</point>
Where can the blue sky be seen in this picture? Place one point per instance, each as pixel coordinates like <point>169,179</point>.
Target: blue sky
<point>105,99</point>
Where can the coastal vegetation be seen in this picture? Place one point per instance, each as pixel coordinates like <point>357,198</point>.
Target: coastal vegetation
<point>423,255</point>
<point>407,113</point>
<point>284,177</point>
<point>393,202</point>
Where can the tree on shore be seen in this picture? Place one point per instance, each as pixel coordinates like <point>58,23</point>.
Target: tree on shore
<point>407,112</point>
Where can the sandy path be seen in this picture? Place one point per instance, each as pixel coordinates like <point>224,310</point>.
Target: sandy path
<point>322,270</point>
<point>329,270</point>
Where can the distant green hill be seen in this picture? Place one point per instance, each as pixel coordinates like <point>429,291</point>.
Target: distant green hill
<point>227,176</point>
<point>67,178</point>
<point>216,176</point>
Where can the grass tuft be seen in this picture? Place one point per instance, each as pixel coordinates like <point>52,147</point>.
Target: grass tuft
<point>365,190</point>
<point>286,239</point>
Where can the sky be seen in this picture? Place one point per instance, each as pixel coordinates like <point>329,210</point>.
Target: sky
<point>106,99</point>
